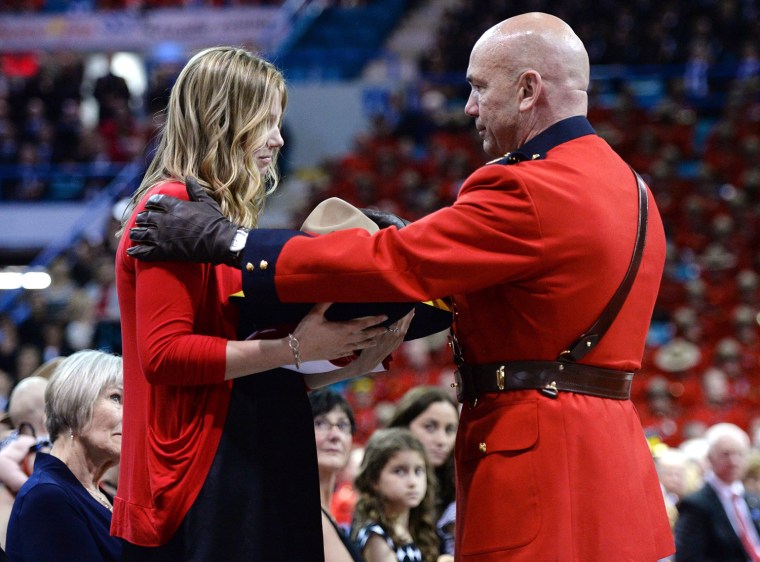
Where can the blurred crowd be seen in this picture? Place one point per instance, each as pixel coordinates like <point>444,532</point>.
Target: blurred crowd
<point>58,6</point>
<point>644,31</point>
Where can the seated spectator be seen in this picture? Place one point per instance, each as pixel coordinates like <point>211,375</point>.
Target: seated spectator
<point>431,414</point>
<point>334,427</point>
<point>60,513</point>
<point>393,520</point>
<point>718,522</point>
<point>14,460</point>
<point>672,465</point>
<point>26,411</point>
<point>345,495</point>
<point>751,478</point>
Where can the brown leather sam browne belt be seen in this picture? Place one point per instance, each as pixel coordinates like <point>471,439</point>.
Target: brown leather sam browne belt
<point>565,374</point>
<point>549,377</point>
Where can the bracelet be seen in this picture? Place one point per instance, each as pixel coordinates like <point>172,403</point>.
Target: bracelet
<point>293,344</point>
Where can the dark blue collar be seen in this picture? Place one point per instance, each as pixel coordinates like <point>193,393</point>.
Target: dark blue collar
<point>562,131</point>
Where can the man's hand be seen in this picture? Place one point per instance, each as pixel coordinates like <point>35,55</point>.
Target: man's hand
<point>170,229</point>
<point>384,219</point>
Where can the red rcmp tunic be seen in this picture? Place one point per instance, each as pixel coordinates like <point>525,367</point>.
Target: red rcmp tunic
<point>531,253</point>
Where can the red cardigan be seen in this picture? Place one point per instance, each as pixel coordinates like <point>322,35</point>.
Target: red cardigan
<point>176,320</point>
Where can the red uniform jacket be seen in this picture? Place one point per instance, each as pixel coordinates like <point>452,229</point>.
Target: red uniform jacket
<point>531,253</point>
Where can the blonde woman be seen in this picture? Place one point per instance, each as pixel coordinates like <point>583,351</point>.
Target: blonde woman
<point>218,465</point>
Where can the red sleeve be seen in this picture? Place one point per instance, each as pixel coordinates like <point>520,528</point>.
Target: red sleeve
<point>491,235</point>
<point>175,309</point>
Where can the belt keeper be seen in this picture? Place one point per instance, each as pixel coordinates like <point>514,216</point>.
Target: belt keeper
<point>465,384</point>
<point>550,390</point>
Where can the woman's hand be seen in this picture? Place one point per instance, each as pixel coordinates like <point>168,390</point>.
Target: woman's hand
<point>371,356</point>
<point>319,338</point>
<point>13,458</point>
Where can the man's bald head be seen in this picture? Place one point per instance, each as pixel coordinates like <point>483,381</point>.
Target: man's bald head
<point>542,42</point>
<point>545,61</point>
<point>27,403</point>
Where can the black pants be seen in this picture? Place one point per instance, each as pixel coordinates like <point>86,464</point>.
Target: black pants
<point>260,501</point>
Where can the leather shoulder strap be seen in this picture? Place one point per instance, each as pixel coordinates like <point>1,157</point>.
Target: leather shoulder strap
<point>588,340</point>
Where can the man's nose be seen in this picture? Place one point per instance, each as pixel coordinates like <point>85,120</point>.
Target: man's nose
<point>471,107</point>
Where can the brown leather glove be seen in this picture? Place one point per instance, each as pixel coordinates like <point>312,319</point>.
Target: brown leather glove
<point>171,229</point>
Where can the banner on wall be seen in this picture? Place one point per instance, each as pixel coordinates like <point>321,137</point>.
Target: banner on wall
<point>255,28</point>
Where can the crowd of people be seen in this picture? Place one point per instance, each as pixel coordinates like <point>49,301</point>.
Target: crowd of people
<point>47,152</point>
<point>58,6</point>
<point>645,31</point>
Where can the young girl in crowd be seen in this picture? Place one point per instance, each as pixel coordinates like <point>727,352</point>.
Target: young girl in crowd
<point>393,519</point>
<point>431,414</point>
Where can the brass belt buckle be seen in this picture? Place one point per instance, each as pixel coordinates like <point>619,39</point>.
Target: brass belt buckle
<point>500,378</point>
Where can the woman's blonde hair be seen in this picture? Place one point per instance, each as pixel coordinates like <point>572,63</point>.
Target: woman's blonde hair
<point>218,115</point>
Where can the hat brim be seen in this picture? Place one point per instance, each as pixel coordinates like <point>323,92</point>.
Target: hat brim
<point>330,215</point>
<point>430,317</point>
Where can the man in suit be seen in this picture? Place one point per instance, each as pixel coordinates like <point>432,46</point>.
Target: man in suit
<point>552,463</point>
<point>719,522</point>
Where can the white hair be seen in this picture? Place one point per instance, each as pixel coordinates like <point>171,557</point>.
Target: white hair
<point>75,386</point>
<point>720,430</point>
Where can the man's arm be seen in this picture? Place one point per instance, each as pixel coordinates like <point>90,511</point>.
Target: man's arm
<point>171,229</point>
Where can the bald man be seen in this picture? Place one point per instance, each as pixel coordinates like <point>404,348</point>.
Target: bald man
<point>26,408</point>
<point>26,405</point>
<point>552,463</point>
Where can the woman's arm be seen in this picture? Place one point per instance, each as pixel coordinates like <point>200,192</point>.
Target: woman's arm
<point>318,338</point>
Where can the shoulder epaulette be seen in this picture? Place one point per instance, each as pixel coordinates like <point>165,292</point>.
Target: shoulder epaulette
<point>516,157</point>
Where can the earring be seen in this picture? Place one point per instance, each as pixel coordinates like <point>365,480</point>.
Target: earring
<point>71,434</point>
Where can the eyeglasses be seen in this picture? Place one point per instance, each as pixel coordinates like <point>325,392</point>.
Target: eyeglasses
<point>322,425</point>
<point>25,428</point>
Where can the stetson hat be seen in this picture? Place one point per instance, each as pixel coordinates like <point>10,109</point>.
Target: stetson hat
<point>272,318</point>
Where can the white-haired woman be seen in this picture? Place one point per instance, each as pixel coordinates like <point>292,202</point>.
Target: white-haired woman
<point>61,513</point>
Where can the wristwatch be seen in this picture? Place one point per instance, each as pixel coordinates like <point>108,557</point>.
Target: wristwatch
<point>238,243</point>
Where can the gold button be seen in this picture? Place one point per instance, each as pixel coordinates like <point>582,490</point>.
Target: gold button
<point>249,266</point>
<point>263,264</point>
<point>482,447</point>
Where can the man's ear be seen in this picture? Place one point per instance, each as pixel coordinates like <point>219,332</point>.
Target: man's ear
<point>529,89</point>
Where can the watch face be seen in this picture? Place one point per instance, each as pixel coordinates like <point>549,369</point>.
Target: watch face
<point>238,242</point>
